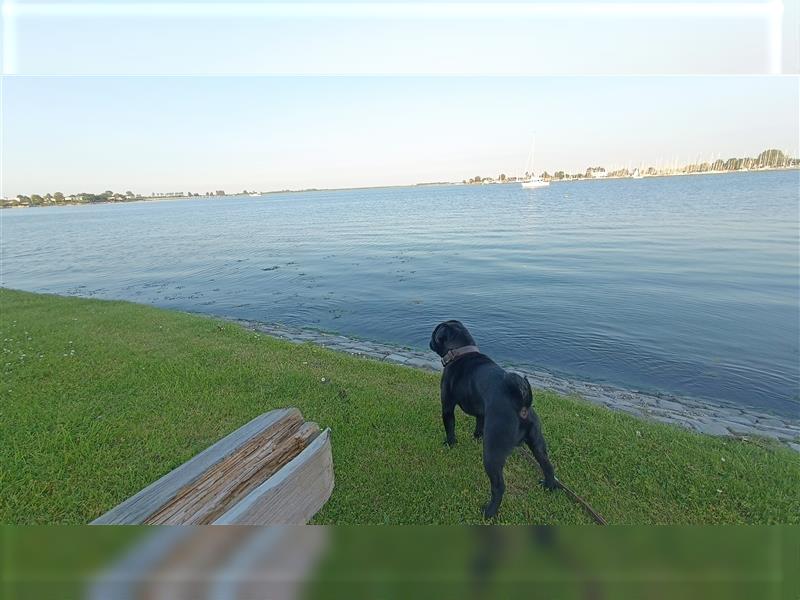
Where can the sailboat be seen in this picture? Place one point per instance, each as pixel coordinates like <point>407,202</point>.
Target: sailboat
<point>636,173</point>
<point>533,181</point>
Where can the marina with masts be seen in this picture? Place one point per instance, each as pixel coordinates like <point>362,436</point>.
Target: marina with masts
<point>770,159</point>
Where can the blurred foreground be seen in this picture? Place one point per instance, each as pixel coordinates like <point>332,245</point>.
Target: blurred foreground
<point>398,562</point>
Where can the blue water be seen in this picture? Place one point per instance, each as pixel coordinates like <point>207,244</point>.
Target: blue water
<point>686,285</point>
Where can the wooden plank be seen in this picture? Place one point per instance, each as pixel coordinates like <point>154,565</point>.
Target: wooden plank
<point>136,509</point>
<point>292,495</point>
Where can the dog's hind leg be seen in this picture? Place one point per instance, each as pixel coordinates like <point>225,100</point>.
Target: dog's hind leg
<point>535,441</point>
<point>494,462</point>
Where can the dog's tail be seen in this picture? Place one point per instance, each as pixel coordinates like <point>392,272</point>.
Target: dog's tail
<point>520,388</point>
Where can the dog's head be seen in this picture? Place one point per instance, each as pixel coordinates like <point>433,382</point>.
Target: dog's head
<point>450,335</point>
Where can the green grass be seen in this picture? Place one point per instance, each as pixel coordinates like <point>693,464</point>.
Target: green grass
<point>99,399</point>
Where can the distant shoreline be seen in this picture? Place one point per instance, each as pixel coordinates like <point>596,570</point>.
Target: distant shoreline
<point>379,187</point>
<point>221,196</point>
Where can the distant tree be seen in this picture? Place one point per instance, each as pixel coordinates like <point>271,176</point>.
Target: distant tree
<point>545,175</point>
<point>108,193</point>
<point>502,177</point>
<point>23,199</point>
<point>558,175</point>
<point>58,196</point>
<point>36,200</point>
<point>129,194</point>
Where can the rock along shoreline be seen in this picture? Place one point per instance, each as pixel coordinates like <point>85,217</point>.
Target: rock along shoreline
<point>691,413</point>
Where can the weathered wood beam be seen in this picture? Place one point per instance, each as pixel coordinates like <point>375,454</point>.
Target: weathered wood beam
<point>292,495</point>
<point>231,479</point>
<point>138,508</point>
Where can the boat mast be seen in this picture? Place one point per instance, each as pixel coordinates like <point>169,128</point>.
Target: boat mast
<point>532,155</point>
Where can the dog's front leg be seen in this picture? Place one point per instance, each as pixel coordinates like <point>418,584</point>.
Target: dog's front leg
<point>449,420</point>
<point>478,434</point>
<point>448,417</point>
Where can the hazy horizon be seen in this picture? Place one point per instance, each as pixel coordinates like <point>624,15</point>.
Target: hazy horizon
<point>165,134</point>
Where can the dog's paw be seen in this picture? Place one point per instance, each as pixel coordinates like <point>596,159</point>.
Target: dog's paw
<point>450,443</point>
<point>550,484</point>
<point>489,511</point>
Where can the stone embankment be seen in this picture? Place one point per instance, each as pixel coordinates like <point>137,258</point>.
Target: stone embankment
<point>694,414</point>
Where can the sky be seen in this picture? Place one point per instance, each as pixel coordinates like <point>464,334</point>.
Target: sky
<point>521,37</point>
<point>162,134</point>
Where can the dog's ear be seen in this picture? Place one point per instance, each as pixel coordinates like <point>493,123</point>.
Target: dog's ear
<point>459,334</point>
<point>457,328</point>
<point>439,336</point>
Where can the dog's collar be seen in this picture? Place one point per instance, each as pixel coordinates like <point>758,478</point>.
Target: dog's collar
<point>456,353</point>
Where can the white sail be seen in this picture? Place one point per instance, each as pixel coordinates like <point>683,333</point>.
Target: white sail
<point>533,181</point>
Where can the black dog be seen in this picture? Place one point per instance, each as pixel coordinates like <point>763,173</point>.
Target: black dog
<point>499,400</point>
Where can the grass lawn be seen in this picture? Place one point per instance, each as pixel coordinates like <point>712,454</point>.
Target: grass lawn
<point>99,399</point>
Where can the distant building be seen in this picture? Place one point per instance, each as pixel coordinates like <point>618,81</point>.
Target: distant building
<point>220,192</point>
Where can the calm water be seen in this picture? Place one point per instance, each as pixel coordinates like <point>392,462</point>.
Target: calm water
<point>687,285</point>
